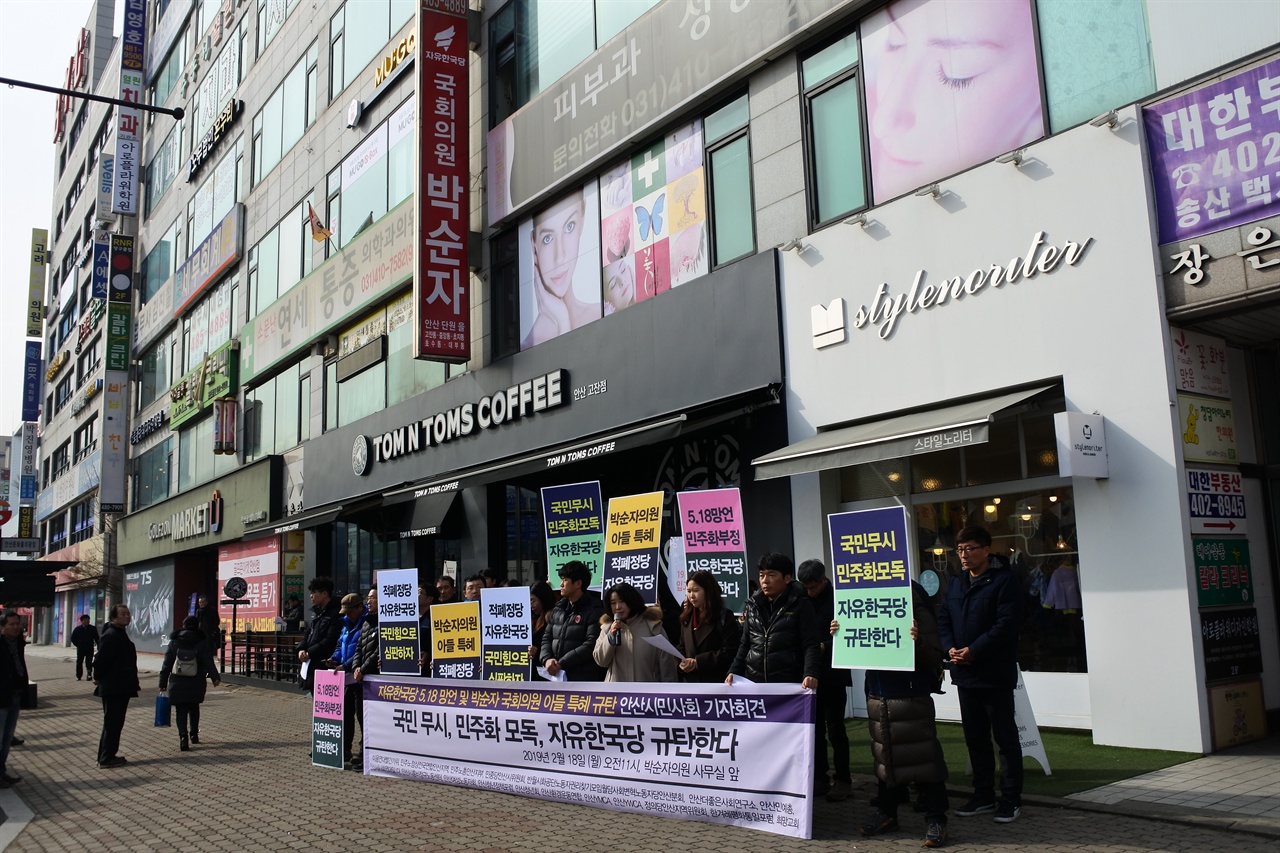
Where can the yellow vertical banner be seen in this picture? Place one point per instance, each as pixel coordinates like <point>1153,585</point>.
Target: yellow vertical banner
<point>631,544</point>
<point>455,640</point>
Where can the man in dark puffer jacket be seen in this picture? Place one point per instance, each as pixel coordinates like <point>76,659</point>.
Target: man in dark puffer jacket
<point>573,627</point>
<point>781,638</point>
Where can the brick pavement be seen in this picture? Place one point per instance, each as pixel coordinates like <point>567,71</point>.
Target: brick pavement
<point>250,784</point>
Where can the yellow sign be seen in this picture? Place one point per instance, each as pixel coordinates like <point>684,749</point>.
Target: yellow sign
<point>1237,712</point>
<point>393,59</point>
<point>455,630</point>
<point>634,522</point>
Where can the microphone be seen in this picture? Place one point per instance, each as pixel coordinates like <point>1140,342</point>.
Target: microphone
<point>615,637</point>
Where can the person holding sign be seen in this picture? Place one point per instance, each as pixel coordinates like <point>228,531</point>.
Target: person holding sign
<point>904,735</point>
<point>621,649</point>
<point>709,633</point>
<point>978,624</point>
<point>781,640</point>
<point>574,627</point>
<point>833,695</point>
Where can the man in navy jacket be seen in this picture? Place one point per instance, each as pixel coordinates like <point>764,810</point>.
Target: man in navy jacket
<point>978,624</point>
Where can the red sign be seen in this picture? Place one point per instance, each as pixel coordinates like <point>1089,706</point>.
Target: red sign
<point>441,284</point>
<point>77,74</point>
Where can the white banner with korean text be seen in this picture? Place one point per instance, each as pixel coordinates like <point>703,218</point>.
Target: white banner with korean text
<point>712,753</point>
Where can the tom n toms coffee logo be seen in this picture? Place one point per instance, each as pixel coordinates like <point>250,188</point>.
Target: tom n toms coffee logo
<point>530,397</point>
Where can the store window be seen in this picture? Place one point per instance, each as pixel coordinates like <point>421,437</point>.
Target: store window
<point>63,391</point>
<point>1097,56</point>
<point>171,72</point>
<point>60,460</point>
<point>288,112</point>
<point>149,475</point>
<point>358,33</point>
<point>504,271</point>
<point>281,259</point>
<point>1010,486</point>
<point>377,175</point>
<point>215,197</point>
<point>197,463</point>
<point>89,360</point>
<point>525,542</point>
<point>57,527</point>
<point>163,167</point>
<point>358,553</point>
<point>728,157</point>
<point>837,185</point>
<point>85,440</point>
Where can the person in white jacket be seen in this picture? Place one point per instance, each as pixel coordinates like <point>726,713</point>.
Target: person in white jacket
<point>621,649</point>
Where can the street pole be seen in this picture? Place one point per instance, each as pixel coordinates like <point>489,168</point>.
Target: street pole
<point>176,112</point>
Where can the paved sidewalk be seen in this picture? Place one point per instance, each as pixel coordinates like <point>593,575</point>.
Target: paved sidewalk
<point>249,784</point>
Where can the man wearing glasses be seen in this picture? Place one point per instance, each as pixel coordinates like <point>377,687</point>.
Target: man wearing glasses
<point>978,624</point>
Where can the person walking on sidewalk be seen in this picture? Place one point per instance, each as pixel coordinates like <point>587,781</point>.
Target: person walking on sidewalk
<point>978,624</point>
<point>116,676</point>
<point>85,639</point>
<point>833,692</point>
<point>187,663</point>
<point>13,686</point>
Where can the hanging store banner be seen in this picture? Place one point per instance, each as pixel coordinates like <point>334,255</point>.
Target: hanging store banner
<point>506,632</point>
<point>216,376</point>
<point>1223,571</point>
<point>714,541</point>
<point>101,264</point>
<point>1200,363</point>
<point>115,437</point>
<point>35,282</point>
<point>1232,643</point>
<point>106,179</point>
<point>1208,429</point>
<point>121,272</point>
<point>129,119</point>
<point>1216,501</point>
<point>215,254</point>
<point>399,646</point>
<point>871,573</point>
<point>327,707</point>
<point>574,515</point>
<point>631,544</point>
<point>741,756</point>
<point>1210,165</point>
<point>118,327</point>
<point>31,381</point>
<point>455,640</point>
<point>442,286</point>
<point>257,562</point>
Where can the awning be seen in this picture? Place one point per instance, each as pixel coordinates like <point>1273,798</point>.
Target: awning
<point>565,454</point>
<point>302,521</point>
<point>890,438</point>
<point>425,516</point>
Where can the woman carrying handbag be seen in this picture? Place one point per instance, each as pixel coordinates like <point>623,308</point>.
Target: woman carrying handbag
<point>187,662</point>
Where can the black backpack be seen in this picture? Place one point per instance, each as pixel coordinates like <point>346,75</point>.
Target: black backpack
<point>187,662</point>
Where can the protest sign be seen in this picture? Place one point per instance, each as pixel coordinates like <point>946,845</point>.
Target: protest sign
<point>574,516</point>
<point>714,540</point>
<point>399,646</point>
<point>506,631</point>
<point>631,549</point>
<point>455,640</point>
<point>327,718</point>
<point>871,573</point>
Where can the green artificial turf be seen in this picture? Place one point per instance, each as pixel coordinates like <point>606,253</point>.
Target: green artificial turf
<point>1077,763</point>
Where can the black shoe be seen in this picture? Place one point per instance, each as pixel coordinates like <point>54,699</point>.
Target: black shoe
<point>1007,812</point>
<point>17,741</point>
<point>195,737</point>
<point>935,834</point>
<point>183,744</point>
<point>113,762</point>
<point>878,823</point>
<point>821,787</point>
<point>10,778</point>
<point>976,805</point>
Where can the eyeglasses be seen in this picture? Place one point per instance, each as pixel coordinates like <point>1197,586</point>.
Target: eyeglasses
<point>969,549</point>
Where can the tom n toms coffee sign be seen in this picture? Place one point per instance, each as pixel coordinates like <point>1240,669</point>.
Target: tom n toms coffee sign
<point>1041,258</point>
<point>530,397</point>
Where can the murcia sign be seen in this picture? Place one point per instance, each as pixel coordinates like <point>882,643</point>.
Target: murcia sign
<point>527,398</point>
<point>887,308</point>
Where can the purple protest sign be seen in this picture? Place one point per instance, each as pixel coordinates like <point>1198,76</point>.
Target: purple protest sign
<point>1215,152</point>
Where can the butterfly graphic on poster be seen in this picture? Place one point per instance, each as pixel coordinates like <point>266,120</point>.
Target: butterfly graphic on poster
<point>650,221</point>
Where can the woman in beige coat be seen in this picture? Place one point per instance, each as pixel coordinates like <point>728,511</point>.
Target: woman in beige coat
<point>621,649</point>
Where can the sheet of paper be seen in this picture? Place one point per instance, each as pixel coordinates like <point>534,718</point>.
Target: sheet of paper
<point>560,676</point>
<point>738,679</point>
<point>302,672</point>
<point>663,644</point>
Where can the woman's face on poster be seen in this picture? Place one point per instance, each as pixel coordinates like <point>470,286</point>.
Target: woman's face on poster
<point>557,231</point>
<point>619,284</point>
<point>951,83</point>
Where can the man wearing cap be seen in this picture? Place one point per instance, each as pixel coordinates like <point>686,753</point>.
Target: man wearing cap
<point>344,656</point>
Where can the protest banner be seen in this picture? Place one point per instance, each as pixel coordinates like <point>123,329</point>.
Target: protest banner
<point>506,630</point>
<point>326,718</point>
<point>631,548</point>
<point>711,753</point>
<point>574,516</point>
<point>714,540</point>
<point>399,646</point>
<point>871,573</point>
<point>455,640</point>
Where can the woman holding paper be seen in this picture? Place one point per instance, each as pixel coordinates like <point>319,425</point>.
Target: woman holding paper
<point>709,634</point>
<point>622,648</point>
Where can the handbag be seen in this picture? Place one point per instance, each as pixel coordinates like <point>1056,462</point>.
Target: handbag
<point>164,711</point>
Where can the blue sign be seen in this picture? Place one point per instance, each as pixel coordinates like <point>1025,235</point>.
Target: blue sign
<point>31,382</point>
<point>28,492</point>
<point>101,263</point>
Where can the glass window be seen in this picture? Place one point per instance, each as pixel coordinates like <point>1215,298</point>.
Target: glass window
<point>81,521</point>
<point>160,263</point>
<point>271,17</point>
<point>505,287</point>
<point>260,421</point>
<point>281,259</point>
<point>154,372</point>
<point>171,72</point>
<point>407,376</point>
<point>362,395</point>
<point>357,39</point>
<point>364,185</point>
<point>284,118</point>
<point>728,156</point>
<point>1097,56</point>
<point>612,16</point>
<point>837,184</point>
<point>288,420</point>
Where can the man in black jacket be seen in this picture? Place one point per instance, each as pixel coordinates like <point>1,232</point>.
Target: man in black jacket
<point>13,685</point>
<point>326,623</point>
<point>116,677</point>
<point>573,627</point>
<point>978,624</point>
<point>85,639</point>
<point>781,639</point>
<point>833,692</point>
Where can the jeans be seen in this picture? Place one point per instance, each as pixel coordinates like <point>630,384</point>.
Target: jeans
<point>185,710</point>
<point>986,714</point>
<point>84,663</point>
<point>113,711</point>
<point>830,724</point>
<point>8,722</point>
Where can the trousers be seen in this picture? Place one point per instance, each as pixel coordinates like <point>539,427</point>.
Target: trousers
<point>986,714</point>
<point>114,709</point>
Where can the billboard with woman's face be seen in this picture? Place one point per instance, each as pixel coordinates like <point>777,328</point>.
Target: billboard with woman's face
<point>950,83</point>
<point>560,267</point>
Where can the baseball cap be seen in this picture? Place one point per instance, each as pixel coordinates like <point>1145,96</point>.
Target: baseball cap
<point>351,601</point>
